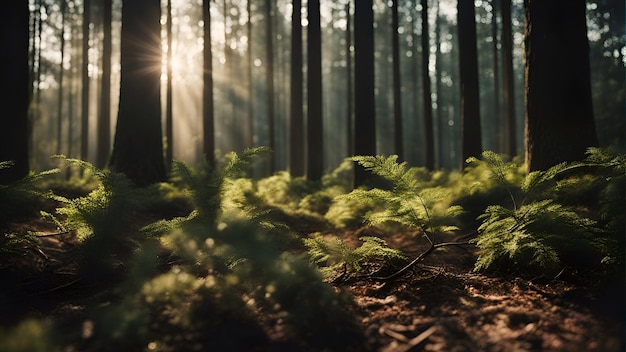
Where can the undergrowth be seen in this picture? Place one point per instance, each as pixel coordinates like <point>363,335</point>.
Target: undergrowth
<point>543,228</point>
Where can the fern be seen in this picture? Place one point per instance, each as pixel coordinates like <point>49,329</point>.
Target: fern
<point>406,203</point>
<point>333,255</point>
<point>21,196</point>
<point>538,232</point>
<point>224,256</point>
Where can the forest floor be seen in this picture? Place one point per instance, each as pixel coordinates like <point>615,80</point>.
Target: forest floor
<point>440,305</point>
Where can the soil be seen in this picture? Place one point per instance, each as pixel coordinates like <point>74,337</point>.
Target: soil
<point>438,305</point>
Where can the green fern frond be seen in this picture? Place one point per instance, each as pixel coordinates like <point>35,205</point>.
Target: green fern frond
<point>333,255</point>
<point>538,234</point>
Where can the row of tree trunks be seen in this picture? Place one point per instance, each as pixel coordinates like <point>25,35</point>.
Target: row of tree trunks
<point>559,117</point>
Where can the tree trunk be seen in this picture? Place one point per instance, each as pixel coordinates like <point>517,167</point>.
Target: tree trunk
<point>497,144</point>
<point>84,129</point>
<point>559,114</point>
<point>315,151</point>
<point>364,110</point>
<point>249,127</point>
<point>169,128</point>
<point>61,90</point>
<point>397,94</point>
<point>349,84</point>
<point>14,100</point>
<point>508,80</point>
<point>269,81</point>
<point>468,58</point>
<point>296,150</point>
<point>104,120</point>
<point>429,136</point>
<point>208,118</point>
<point>138,146</point>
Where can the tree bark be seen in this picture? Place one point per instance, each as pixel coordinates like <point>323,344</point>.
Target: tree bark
<point>14,100</point>
<point>397,94</point>
<point>208,118</point>
<point>138,146</point>
<point>169,128</point>
<point>315,151</point>
<point>104,120</point>
<point>84,129</point>
<point>508,80</point>
<point>269,81</point>
<point>468,69</point>
<point>559,113</point>
<point>296,150</point>
<point>429,135</point>
<point>364,109</point>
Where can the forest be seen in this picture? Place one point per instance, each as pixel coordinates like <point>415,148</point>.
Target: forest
<point>313,176</point>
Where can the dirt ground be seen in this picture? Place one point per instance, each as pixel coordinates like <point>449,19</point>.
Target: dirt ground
<point>441,305</point>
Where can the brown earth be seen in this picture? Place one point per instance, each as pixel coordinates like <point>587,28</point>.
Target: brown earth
<point>439,305</point>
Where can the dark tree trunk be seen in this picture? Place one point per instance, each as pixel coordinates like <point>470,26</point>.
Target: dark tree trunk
<point>104,120</point>
<point>497,145</point>
<point>14,99</point>
<point>138,146</point>
<point>349,84</point>
<point>84,129</point>
<point>61,91</point>
<point>315,151</point>
<point>249,127</point>
<point>397,94</point>
<point>208,118</point>
<point>296,150</point>
<point>429,134</point>
<point>364,109</point>
<point>169,127</point>
<point>559,113</point>
<point>468,69</point>
<point>269,80</point>
<point>441,125</point>
<point>508,80</point>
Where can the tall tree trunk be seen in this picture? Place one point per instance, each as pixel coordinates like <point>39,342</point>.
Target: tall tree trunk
<point>510,134</point>
<point>104,120</point>
<point>169,127</point>
<point>61,79</point>
<point>497,145</point>
<point>138,145</point>
<point>429,134</point>
<point>249,127</point>
<point>269,80</point>
<point>397,94</point>
<point>208,118</point>
<point>441,125</point>
<point>349,84</point>
<point>315,151</point>
<point>296,150</point>
<point>364,110</point>
<point>14,79</point>
<point>468,68</point>
<point>84,130</point>
<point>559,113</point>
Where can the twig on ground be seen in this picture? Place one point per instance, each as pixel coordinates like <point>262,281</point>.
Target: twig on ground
<point>432,247</point>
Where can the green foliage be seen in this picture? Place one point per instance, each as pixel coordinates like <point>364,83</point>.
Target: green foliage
<point>545,229</point>
<point>28,336</point>
<point>231,262</point>
<point>537,235</point>
<point>103,219</point>
<point>20,197</point>
<point>406,202</point>
<point>333,255</point>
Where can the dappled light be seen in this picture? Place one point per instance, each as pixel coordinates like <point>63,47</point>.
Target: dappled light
<point>277,175</point>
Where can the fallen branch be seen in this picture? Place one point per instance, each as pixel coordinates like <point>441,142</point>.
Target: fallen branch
<point>432,247</point>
